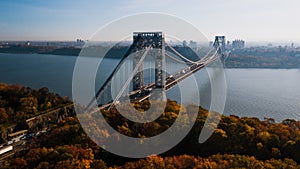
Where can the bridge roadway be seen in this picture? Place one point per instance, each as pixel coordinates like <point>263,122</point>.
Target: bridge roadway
<point>171,81</point>
<point>51,111</point>
<point>21,145</point>
<point>17,147</point>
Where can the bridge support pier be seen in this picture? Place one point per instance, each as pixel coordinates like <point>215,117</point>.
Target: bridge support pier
<point>219,44</point>
<point>154,40</point>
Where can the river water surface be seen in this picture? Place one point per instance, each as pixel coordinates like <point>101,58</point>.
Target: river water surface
<point>250,92</point>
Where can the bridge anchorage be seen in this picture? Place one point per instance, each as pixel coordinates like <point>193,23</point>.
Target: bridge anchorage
<point>133,76</point>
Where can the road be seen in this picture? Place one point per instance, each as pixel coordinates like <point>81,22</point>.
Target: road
<point>21,145</point>
<point>17,147</point>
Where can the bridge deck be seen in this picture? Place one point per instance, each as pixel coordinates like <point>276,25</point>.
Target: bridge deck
<point>171,81</point>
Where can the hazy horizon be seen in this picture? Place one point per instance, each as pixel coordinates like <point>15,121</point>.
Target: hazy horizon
<point>247,43</point>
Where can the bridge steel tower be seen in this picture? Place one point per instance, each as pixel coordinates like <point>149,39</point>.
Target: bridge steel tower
<point>220,42</point>
<point>154,40</point>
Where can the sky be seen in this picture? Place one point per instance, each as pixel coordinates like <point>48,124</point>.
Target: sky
<point>251,20</point>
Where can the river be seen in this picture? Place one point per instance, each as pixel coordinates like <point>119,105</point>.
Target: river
<point>272,93</point>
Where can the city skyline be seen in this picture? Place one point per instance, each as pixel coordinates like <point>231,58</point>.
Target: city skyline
<point>253,21</point>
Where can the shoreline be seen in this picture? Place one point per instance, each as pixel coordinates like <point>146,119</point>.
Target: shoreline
<point>110,57</point>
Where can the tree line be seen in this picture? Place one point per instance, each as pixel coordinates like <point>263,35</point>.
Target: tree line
<point>238,142</point>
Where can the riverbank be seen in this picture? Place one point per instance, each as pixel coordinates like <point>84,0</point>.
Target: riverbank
<point>236,59</point>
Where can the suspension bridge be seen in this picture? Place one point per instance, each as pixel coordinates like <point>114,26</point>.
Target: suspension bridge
<point>131,80</point>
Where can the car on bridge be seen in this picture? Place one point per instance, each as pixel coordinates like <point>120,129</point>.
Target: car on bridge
<point>195,65</point>
<point>170,79</point>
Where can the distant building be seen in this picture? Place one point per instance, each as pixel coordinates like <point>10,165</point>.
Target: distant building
<point>228,45</point>
<point>238,44</point>
<point>28,43</point>
<point>193,44</point>
<point>79,42</point>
